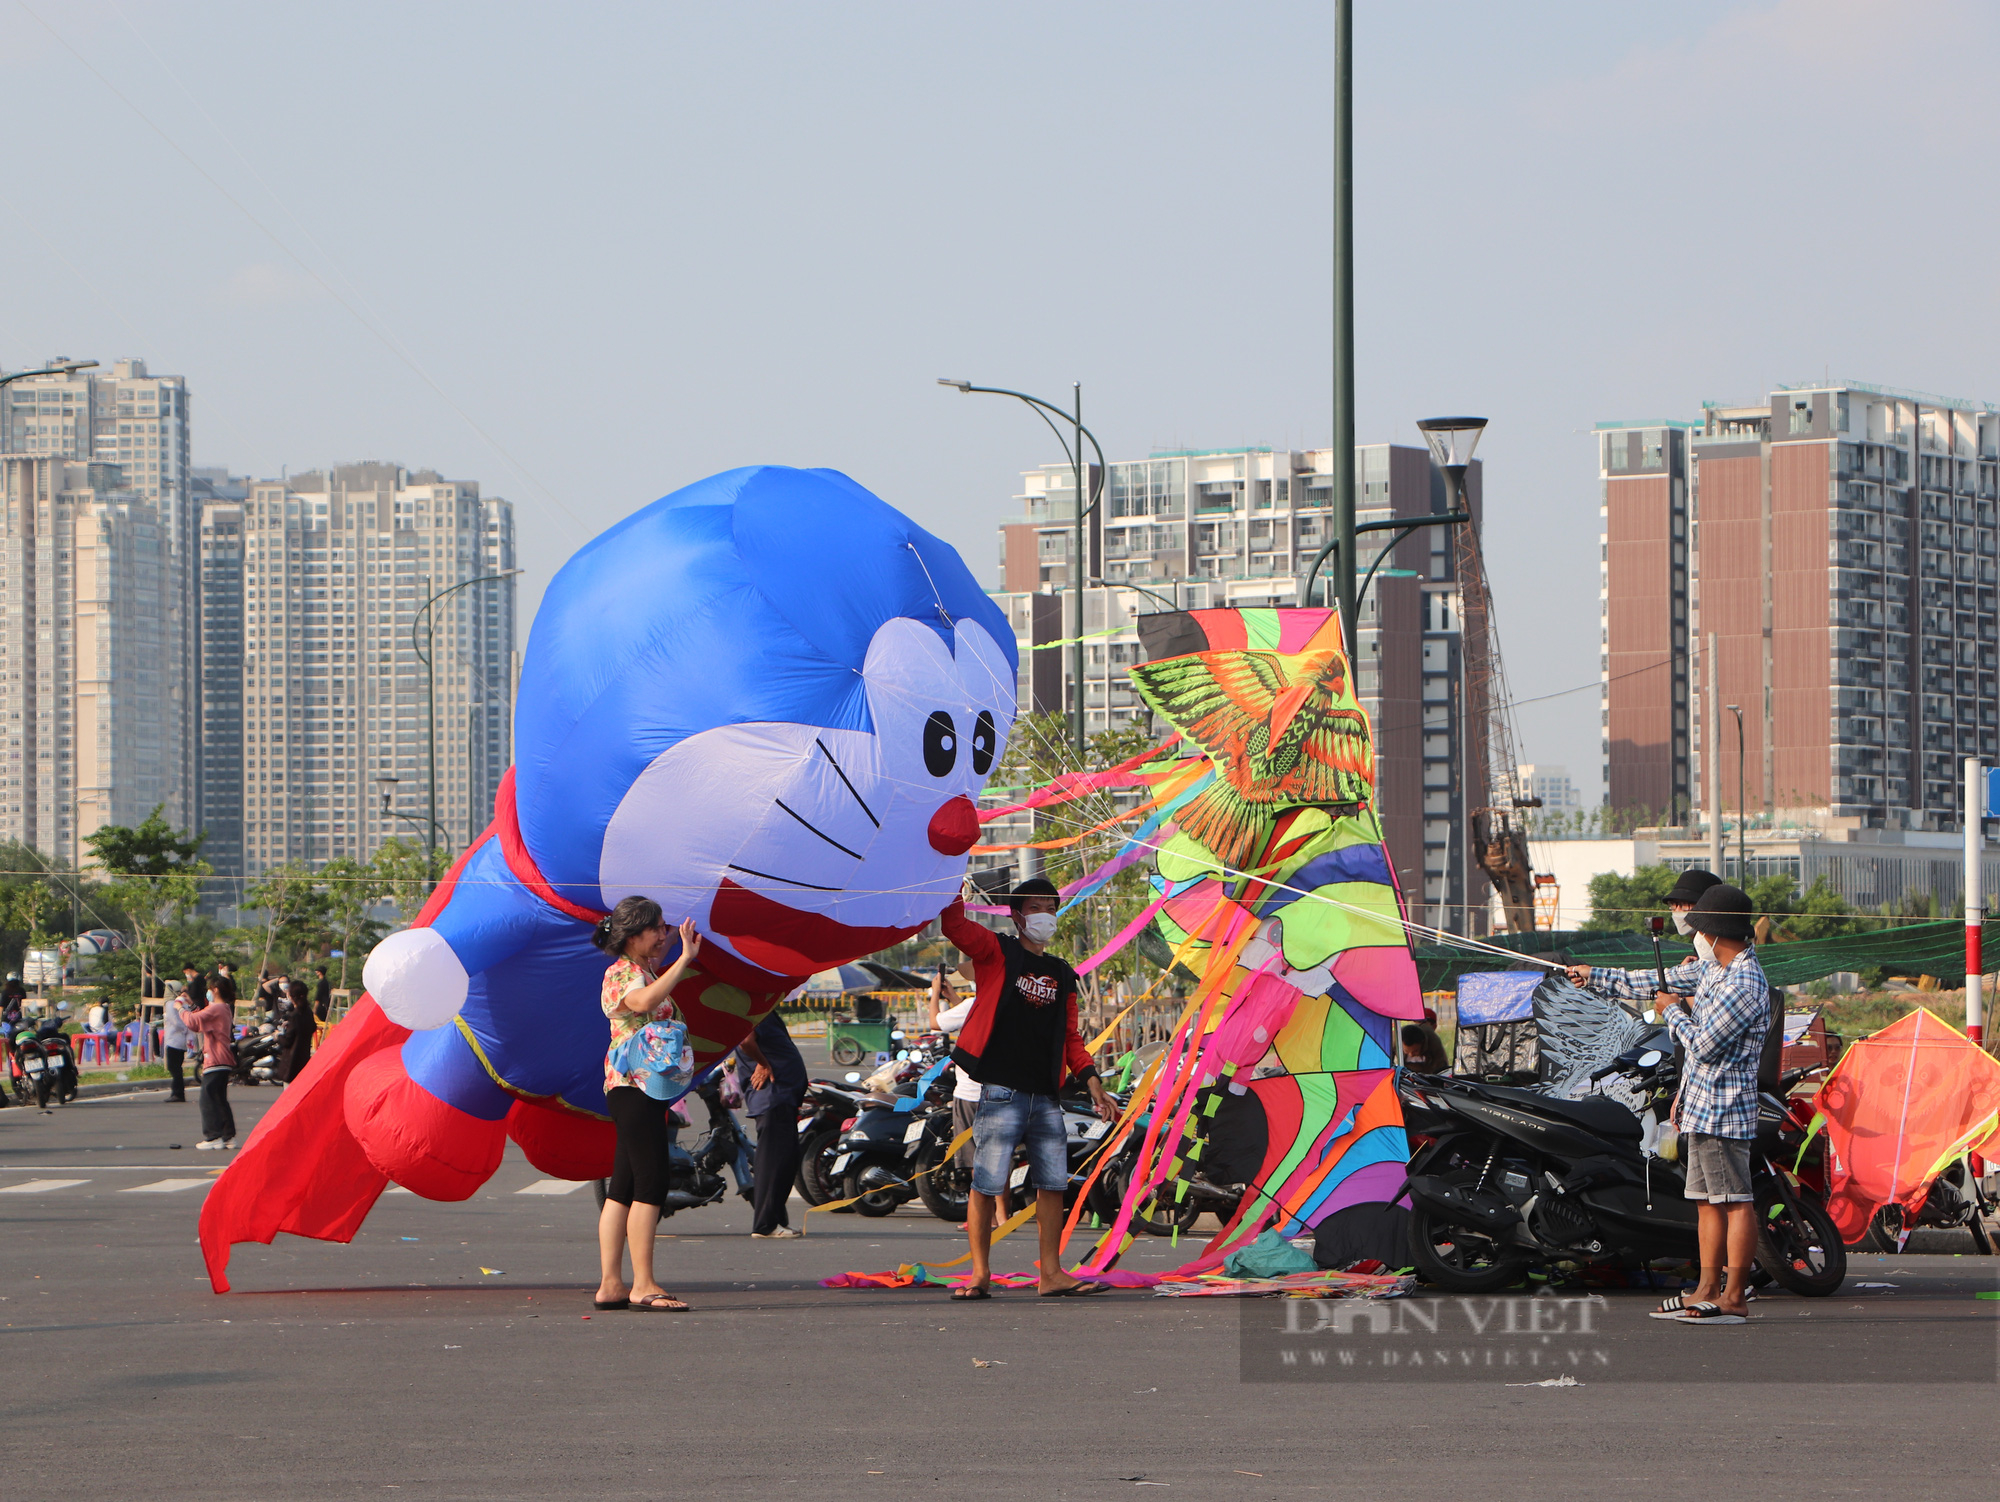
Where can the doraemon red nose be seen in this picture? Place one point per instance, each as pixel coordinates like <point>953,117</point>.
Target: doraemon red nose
<point>955,827</point>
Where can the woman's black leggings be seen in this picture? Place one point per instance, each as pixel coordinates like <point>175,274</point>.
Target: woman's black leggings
<point>218,1122</point>
<point>639,1169</point>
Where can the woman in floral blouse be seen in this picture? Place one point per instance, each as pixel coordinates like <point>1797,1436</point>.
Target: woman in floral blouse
<point>636,992</point>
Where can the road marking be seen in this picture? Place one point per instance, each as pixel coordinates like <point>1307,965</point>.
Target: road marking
<point>552,1186</point>
<point>41,1186</point>
<point>168,1186</point>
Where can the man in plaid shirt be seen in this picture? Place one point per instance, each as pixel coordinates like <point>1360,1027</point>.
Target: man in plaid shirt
<point>1721,1034</point>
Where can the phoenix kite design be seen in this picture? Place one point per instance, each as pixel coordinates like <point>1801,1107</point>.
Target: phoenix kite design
<point>1282,729</point>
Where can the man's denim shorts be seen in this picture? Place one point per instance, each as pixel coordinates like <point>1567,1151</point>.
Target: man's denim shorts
<point>1007,1118</point>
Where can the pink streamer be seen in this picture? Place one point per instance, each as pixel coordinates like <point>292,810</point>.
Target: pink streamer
<point>1125,936</point>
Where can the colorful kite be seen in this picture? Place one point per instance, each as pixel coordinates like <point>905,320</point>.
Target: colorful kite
<point>1897,1109</point>
<point>768,702</point>
<point>1273,886</point>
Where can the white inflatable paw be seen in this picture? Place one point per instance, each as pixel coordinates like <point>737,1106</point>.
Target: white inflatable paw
<point>416,980</point>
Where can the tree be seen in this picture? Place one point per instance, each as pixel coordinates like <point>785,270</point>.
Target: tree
<point>351,888</point>
<point>405,872</point>
<point>157,873</point>
<point>293,906</point>
<point>1041,749</point>
<point>1627,904</point>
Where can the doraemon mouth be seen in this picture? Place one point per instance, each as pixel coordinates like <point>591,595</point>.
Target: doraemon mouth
<point>801,822</point>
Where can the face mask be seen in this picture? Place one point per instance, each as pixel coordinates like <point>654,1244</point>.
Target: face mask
<point>1039,927</point>
<point>1681,924</point>
<point>1705,947</point>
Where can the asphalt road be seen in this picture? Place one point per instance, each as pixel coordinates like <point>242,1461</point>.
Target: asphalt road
<point>446,1353</point>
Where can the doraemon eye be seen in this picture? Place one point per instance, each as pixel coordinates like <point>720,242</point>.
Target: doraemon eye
<point>940,744</point>
<point>984,737</point>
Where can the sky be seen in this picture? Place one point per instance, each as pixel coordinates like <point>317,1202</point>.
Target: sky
<point>588,254</point>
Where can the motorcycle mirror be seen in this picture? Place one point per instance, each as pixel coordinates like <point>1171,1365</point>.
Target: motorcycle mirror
<point>902,1054</point>
<point>897,1036</point>
<point>1650,1058</point>
<point>853,1078</point>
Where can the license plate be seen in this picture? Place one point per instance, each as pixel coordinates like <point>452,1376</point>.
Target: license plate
<point>840,1163</point>
<point>34,1066</point>
<point>913,1134</point>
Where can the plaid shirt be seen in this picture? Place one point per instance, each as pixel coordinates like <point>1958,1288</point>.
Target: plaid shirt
<point>1642,985</point>
<point>1722,1037</point>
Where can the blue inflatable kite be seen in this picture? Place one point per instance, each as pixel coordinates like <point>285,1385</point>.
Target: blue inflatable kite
<point>767,702</point>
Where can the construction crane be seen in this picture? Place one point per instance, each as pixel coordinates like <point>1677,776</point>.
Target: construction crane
<point>1498,839</point>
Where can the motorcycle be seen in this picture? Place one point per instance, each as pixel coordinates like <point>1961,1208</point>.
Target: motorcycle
<point>875,1160</point>
<point>1956,1201</point>
<point>43,1066</point>
<point>1168,1210</point>
<point>257,1057</point>
<point>945,1184</point>
<point>1504,1176</point>
<point>826,1113</point>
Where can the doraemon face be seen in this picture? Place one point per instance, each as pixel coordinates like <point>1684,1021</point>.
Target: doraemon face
<point>798,847</point>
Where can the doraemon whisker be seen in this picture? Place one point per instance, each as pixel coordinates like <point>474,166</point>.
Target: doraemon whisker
<point>809,886</point>
<point>818,831</point>
<point>845,783</point>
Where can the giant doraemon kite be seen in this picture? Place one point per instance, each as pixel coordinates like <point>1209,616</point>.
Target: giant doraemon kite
<point>768,702</point>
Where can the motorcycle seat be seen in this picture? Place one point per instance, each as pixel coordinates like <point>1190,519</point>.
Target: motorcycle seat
<point>1594,1113</point>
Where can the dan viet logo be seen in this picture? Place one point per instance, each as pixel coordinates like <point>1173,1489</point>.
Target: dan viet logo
<point>1443,1338</point>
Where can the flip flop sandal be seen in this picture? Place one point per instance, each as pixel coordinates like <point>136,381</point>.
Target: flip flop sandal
<point>1670,1308</point>
<point>611,1303</point>
<point>1709,1314</point>
<point>660,1303</point>
<point>968,1294</point>
<point>1078,1291</point>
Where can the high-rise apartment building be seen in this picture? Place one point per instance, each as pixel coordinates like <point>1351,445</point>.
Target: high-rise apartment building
<point>86,582</point>
<point>219,788</point>
<point>1241,527</point>
<point>336,698</point>
<point>1841,550</point>
<point>127,416</point>
<point>1552,785</point>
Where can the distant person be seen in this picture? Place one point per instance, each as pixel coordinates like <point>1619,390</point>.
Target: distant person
<point>1021,1042</point>
<point>215,1023</point>
<point>296,1031</point>
<point>1422,1050</point>
<point>223,987</point>
<point>176,1038</point>
<point>270,994</point>
<point>948,1016</point>
<point>773,1076</point>
<point>322,993</point>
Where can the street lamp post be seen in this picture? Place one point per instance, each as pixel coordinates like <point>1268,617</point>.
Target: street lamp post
<point>425,653</point>
<point>387,782</point>
<point>1402,526</point>
<point>1343,318</point>
<point>1742,833</point>
<point>1073,451</point>
<point>66,368</point>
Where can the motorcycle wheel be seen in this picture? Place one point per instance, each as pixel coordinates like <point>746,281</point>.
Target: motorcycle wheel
<point>1883,1228</point>
<point>45,1083</point>
<point>945,1188</point>
<point>1458,1260</point>
<point>815,1151</point>
<point>22,1093</point>
<point>881,1202</point>
<point>69,1082</point>
<point>1153,1216</point>
<point>1808,1259</point>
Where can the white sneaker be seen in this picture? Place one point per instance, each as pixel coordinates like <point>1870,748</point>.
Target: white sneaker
<point>780,1233</point>
<point>209,1147</point>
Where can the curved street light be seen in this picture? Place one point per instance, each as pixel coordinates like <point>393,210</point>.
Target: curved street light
<point>424,654</point>
<point>1073,451</point>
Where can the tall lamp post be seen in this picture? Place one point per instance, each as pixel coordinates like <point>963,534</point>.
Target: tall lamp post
<point>387,782</point>
<point>428,617</point>
<point>1742,832</point>
<point>1073,451</point>
<point>1343,318</point>
<point>66,368</point>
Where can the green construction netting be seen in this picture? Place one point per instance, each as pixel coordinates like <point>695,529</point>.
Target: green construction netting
<point>1912,949</point>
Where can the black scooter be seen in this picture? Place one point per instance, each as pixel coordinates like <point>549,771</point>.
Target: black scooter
<point>695,1174</point>
<point>1503,1176</point>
